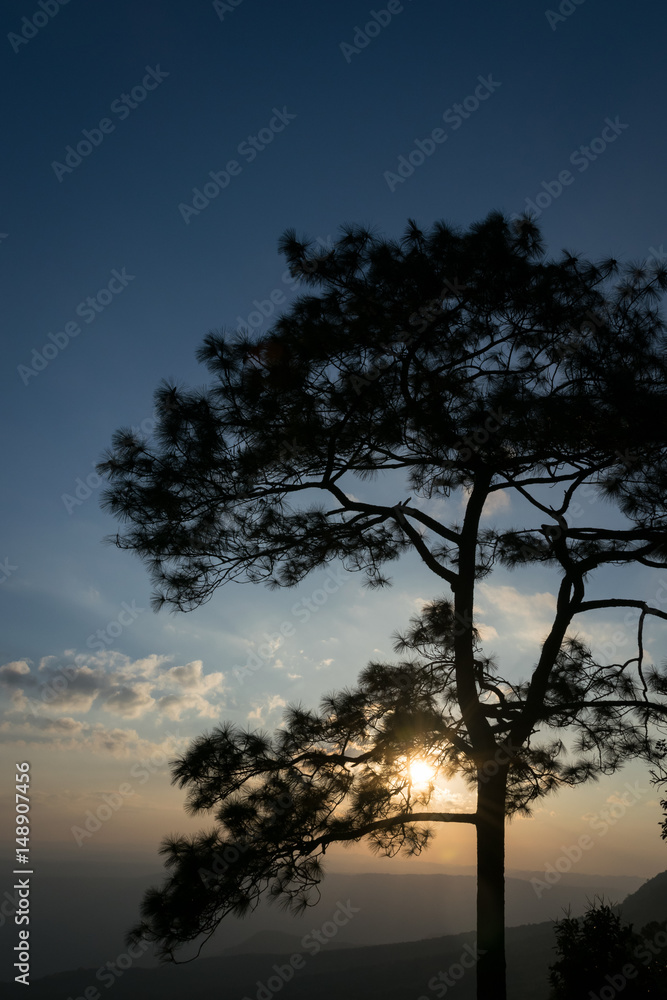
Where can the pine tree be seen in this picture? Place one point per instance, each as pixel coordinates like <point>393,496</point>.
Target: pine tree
<point>458,364</point>
<point>597,954</point>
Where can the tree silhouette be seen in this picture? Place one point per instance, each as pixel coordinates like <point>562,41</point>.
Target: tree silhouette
<point>659,777</point>
<point>598,952</point>
<point>458,364</point>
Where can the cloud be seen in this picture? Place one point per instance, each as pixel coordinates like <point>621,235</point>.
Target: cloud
<point>17,669</point>
<point>525,619</point>
<point>194,691</point>
<point>171,705</point>
<point>261,711</point>
<point>443,510</point>
<point>80,683</point>
<point>65,733</point>
<point>174,705</point>
<point>192,676</point>
<point>498,500</point>
<point>495,501</point>
<point>63,725</point>
<point>58,682</point>
<point>129,702</point>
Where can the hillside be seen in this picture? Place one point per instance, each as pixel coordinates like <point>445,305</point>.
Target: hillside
<point>393,972</point>
<point>398,971</point>
<point>90,930</point>
<point>648,903</point>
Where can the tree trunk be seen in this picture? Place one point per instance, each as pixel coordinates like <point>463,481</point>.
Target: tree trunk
<point>491,790</point>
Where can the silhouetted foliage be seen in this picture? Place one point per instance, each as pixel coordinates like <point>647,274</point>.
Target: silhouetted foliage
<point>659,777</point>
<point>599,953</point>
<point>458,364</point>
<point>343,774</point>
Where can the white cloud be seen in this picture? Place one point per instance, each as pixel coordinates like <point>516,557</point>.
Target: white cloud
<point>261,711</point>
<point>129,702</point>
<point>192,676</point>
<point>65,733</point>
<point>173,706</point>
<point>78,683</point>
<point>524,619</point>
<point>498,500</point>
<point>15,669</point>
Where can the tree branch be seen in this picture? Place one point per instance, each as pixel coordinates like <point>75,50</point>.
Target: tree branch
<point>386,824</point>
<point>620,602</point>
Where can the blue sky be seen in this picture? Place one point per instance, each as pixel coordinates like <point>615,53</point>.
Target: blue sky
<point>110,283</point>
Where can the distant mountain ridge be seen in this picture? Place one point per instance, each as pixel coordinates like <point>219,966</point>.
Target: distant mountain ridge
<point>648,903</point>
<point>90,930</point>
<point>402,971</point>
<point>395,971</point>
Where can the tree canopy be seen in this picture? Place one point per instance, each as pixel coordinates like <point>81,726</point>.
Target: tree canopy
<point>453,365</point>
<point>413,353</point>
<point>598,952</point>
<point>348,773</point>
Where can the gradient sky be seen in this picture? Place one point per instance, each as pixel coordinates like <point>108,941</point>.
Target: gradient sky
<point>333,111</point>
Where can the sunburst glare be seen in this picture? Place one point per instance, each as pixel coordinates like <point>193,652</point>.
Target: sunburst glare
<point>421,772</point>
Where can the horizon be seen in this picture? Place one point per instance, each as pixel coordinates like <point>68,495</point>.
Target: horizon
<point>112,879</point>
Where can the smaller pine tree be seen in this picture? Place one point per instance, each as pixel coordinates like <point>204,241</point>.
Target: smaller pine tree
<point>597,952</point>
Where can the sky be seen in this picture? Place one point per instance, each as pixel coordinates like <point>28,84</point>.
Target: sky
<point>154,154</point>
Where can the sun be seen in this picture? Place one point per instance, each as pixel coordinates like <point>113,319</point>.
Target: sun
<point>421,772</point>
